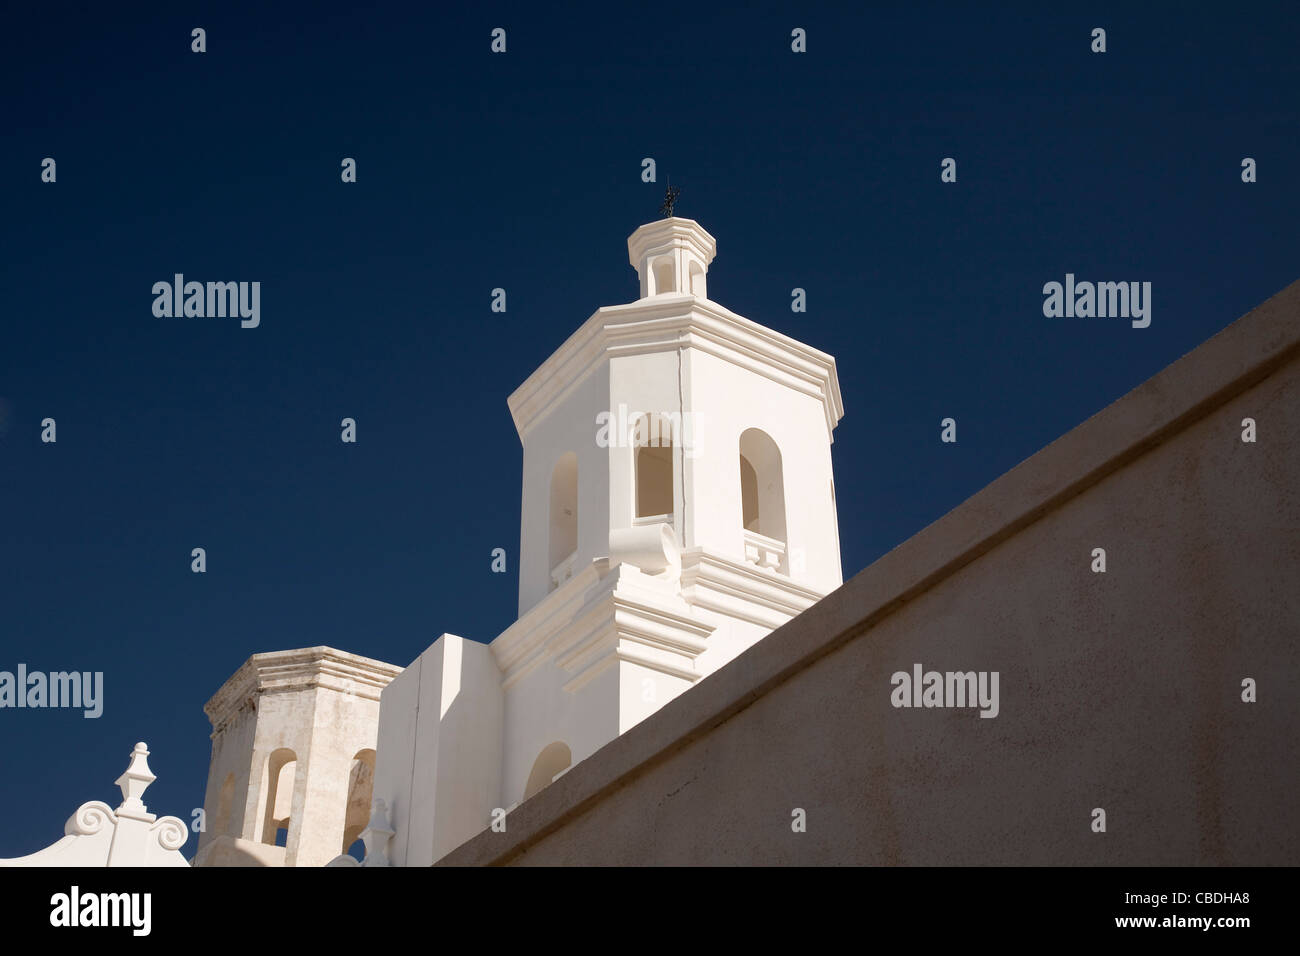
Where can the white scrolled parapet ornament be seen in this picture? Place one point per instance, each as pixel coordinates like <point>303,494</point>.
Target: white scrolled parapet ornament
<point>651,547</point>
<point>90,818</point>
<point>97,835</point>
<point>170,832</point>
<point>378,831</point>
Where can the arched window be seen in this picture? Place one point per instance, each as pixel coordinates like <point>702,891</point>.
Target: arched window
<point>762,486</point>
<point>361,786</point>
<point>564,517</point>
<point>225,804</point>
<point>653,443</point>
<point>554,759</point>
<point>281,773</point>
<point>663,273</point>
<point>698,286</point>
<point>762,500</point>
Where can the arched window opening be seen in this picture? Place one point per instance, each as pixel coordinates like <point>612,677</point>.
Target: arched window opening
<point>698,286</point>
<point>663,272</point>
<point>564,518</point>
<point>554,759</point>
<point>762,500</point>
<point>361,786</point>
<point>653,443</point>
<point>281,774</point>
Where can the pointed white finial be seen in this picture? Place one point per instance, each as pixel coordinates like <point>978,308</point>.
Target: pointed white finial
<point>134,781</point>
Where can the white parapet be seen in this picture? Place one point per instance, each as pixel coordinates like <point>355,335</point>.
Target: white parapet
<point>97,835</point>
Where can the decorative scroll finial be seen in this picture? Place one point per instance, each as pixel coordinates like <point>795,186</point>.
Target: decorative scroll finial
<point>670,198</point>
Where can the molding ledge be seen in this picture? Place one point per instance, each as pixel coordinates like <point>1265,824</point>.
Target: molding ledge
<point>665,323</point>
<point>282,671</point>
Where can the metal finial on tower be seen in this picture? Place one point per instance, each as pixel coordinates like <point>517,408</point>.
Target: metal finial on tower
<point>670,198</point>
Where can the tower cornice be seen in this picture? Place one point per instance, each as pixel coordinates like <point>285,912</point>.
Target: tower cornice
<point>667,323</point>
<point>281,671</point>
<point>666,233</point>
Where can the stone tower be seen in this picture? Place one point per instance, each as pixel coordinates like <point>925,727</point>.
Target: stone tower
<point>293,757</point>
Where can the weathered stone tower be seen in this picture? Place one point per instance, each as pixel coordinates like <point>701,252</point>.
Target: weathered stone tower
<point>293,758</point>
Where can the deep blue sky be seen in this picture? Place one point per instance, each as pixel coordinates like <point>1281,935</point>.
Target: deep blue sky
<point>523,171</point>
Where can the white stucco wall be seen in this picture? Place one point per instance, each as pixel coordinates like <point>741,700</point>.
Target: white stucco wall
<point>732,399</point>
<point>569,427</point>
<point>439,761</point>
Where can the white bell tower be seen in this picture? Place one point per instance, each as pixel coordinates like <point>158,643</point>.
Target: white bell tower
<point>678,503</point>
<point>678,506</point>
<point>673,409</point>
